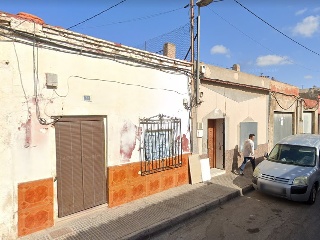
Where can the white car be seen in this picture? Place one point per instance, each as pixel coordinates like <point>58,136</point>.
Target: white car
<point>291,170</point>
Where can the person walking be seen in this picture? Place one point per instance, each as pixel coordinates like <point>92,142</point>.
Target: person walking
<point>248,153</point>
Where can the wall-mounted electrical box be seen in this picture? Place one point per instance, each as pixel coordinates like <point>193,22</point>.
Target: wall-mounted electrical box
<point>199,133</point>
<point>203,69</point>
<point>51,80</point>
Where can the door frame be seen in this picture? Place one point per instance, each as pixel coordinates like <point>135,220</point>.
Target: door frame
<point>215,139</point>
<point>102,118</point>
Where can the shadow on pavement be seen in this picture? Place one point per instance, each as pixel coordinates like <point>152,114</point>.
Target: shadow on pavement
<point>155,217</point>
<point>245,180</point>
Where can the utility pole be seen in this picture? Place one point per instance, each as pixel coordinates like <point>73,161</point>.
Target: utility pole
<point>193,107</point>
<point>192,33</point>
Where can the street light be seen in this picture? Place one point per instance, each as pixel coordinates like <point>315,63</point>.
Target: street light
<point>203,3</point>
<point>199,3</point>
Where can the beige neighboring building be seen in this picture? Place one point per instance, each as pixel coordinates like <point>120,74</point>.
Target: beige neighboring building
<point>312,94</point>
<point>290,113</point>
<point>234,104</point>
<point>84,122</point>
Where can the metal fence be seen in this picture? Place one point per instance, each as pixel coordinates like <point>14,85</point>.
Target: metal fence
<point>161,147</point>
<point>180,37</point>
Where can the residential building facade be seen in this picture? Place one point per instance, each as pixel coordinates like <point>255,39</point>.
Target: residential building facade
<point>290,113</point>
<point>84,122</point>
<point>234,104</point>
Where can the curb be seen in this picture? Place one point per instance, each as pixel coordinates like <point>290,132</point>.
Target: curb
<point>168,223</point>
<point>247,189</point>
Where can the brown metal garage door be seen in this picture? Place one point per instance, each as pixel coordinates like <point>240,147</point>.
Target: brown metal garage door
<point>80,149</point>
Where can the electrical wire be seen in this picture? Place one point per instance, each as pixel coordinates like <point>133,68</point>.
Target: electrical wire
<point>96,15</point>
<point>35,57</point>
<point>301,45</point>
<point>137,19</point>
<point>122,83</point>
<point>20,23</point>
<point>273,94</point>
<point>21,81</point>
<point>53,45</point>
<point>252,39</point>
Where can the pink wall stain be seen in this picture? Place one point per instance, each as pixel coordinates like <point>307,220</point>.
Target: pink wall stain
<point>34,131</point>
<point>284,88</point>
<point>184,143</point>
<point>310,103</point>
<point>128,136</point>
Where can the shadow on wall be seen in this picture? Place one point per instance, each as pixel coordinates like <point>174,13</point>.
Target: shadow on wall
<point>235,158</point>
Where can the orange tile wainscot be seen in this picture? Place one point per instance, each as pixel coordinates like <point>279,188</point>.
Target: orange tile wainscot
<point>35,206</point>
<point>125,183</point>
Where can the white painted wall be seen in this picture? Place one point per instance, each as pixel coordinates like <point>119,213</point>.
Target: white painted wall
<point>121,92</point>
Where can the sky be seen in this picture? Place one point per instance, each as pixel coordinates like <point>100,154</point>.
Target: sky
<point>275,38</point>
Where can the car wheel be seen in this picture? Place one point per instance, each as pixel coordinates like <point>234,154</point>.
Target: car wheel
<point>313,195</point>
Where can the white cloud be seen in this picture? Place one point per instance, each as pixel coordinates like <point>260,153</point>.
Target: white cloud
<point>269,60</point>
<point>300,12</point>
<point>308,77</point>
<point>308,26</point>
<point>219,49</point>
<point>316,9</point>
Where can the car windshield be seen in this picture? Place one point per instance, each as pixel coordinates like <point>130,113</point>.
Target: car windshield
<point>293,154</point>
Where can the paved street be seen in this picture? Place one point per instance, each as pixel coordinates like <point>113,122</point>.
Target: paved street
<point>253,216</point>
<point>138,219</point>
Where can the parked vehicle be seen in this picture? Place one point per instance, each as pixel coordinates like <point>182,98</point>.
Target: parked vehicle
<point>291,170</point>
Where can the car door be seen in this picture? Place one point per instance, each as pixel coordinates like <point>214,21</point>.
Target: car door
<point>315,176</point>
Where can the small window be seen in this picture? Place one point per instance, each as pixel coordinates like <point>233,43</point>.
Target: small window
<point>307,122</point>
<point>247,128</point>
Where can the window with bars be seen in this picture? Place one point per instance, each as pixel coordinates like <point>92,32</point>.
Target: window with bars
<point>160,144</point>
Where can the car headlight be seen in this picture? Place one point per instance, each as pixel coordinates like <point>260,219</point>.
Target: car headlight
<point>302,181</point>
<point>256,172</point>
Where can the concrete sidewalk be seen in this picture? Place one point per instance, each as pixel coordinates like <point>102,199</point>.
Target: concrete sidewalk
<point>143,217</point>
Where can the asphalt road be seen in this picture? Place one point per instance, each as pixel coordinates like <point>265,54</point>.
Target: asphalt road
<point>253,216</point>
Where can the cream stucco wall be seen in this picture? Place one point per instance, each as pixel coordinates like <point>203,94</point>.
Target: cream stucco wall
<point>121,92</point>
<point>234,96</point>
<point>235,105</point>
<point>232,76</point>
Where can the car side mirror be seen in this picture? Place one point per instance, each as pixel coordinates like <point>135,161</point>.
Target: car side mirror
<point>266,155</point>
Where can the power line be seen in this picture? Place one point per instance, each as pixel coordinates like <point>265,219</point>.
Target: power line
<point>138,19</point>
<point>96,14</point>
<point>293,62</point>
<point>117,82</point>
<point>277,29</point>
<point>179,36</point>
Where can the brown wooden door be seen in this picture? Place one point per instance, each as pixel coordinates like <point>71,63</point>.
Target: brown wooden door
<point>212,142</point>
<point>69,169</point>
<point>94,181</point>
<point>80,165</point>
